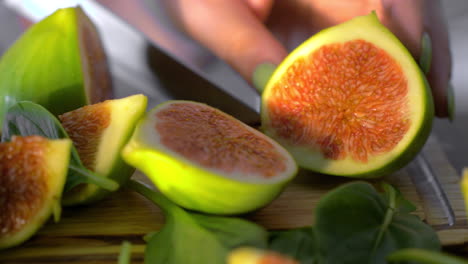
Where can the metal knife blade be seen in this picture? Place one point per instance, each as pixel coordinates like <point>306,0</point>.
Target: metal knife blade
<point>139,65</point>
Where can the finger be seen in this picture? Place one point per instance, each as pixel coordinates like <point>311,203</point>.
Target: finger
<point>261,8</point>
<point>232,31</point>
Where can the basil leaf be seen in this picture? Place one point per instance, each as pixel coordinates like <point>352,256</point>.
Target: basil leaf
<point>356,224</point>
<point>28,118</point>
<point>297,243</point>
<point>193,238</point>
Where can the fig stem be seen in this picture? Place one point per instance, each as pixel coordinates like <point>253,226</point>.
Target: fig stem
<point>158,198</point>
<point>392,196</point>
<point>100,181</point>
<point>125,253</point>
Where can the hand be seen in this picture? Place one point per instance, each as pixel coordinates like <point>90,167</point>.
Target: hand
<point>247,33</point>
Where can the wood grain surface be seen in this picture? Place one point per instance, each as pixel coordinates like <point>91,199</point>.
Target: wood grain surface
<point>94,233</point>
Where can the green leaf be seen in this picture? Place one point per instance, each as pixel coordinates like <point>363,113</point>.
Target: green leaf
<point>424,257</point>
<point>28,118</point>
<point>297,243</point>
<point>356,224</point>
<point>192,238</point>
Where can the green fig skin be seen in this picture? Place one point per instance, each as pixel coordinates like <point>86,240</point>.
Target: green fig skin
<point>46,64</point>
<point>124,114</point>
<point>193,186</point>
<point>55,162</point>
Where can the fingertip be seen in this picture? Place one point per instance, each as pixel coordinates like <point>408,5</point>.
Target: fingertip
<point>261,8</point>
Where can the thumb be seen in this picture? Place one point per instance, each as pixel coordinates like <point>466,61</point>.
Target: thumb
<point>233,30</point>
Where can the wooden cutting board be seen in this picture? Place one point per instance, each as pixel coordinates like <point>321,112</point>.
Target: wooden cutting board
<point>93,234</point>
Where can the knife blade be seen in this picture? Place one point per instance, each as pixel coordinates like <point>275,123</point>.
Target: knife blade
<point>139,65</point>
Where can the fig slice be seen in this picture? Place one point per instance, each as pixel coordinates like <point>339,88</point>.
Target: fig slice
<point>206,160</point>
<point>33,170</point>
<point>58,63</point>
<point>99,132</point>
<point>349,101</point>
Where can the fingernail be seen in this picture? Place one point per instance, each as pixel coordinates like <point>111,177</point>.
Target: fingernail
<point>451,102</point>
<point>426,53</point>
<point>261,75</point>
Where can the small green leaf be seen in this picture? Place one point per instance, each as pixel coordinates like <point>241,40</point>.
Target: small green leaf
<point>357,222</point>
<point>424,257</point>
<point>28,118</point>
<point>296,243</point>
<point>192,238</point>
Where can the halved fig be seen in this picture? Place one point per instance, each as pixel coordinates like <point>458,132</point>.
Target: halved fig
<point>349,101</point>
<point>99,132</point>
<point>33,170</point>
<point>59,63</point>
<point>205,160</point>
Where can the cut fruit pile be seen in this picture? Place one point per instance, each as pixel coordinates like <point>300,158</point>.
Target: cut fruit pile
<point>349,101</point>
<point>33,169</point>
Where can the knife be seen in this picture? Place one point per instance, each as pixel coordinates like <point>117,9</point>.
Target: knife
<point>139,65</point>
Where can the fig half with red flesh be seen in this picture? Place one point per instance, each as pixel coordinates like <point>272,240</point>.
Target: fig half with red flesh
<point>206,160</point>
<point>33,170</point>
<point>349,101</point>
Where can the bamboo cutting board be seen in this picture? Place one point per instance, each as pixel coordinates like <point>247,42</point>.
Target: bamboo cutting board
<point>93,234</point>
